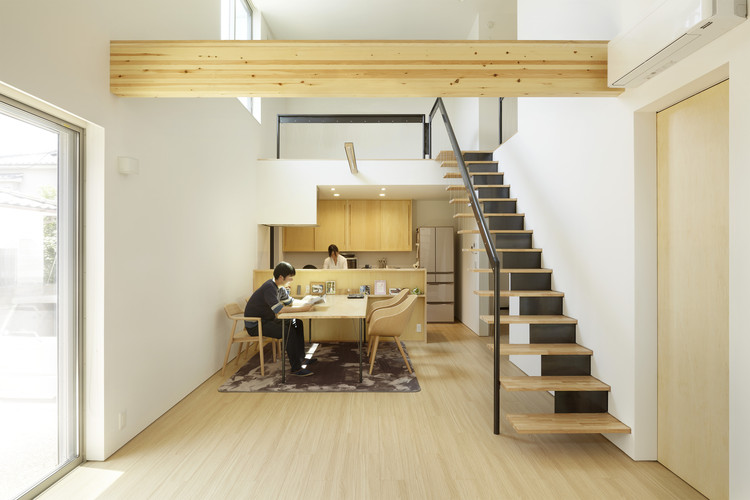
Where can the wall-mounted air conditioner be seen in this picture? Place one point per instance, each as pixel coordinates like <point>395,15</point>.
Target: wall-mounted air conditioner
<point>670,32</point>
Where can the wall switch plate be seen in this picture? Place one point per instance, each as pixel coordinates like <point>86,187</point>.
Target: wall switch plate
<point>419,327</point>
<point>122,420</point>
<point>307,289</point>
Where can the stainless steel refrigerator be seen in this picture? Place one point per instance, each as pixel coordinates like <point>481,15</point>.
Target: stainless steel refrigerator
<point>435,247</point>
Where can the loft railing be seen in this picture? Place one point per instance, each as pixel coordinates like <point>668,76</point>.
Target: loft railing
<point>489,245</point>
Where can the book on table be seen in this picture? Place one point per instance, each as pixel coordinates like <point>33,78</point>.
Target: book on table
<point>309,300</point>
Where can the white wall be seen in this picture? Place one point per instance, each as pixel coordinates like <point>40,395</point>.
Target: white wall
<point>165,248</point>
<point>584,172</point>
<point>570,166</point>
<point>375,141</point>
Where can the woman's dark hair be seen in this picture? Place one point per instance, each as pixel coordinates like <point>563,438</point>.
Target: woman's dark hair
<point>283,269</point>
<point>332,249</point>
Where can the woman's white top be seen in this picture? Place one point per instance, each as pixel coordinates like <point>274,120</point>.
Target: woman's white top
<point>340,263</point>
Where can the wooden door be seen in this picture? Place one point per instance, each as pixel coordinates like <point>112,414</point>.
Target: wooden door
<point>299,239</point>
<point>331,225</point>
<point>693,293</point>
<point>396,225</point>
<point>364,225</point>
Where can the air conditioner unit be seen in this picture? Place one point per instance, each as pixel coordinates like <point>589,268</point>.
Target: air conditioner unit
<point>670,32</point>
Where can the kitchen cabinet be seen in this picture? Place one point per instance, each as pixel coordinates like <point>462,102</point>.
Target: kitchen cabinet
<point>332,227</point>
<point>355,226</point>
<point>298,239</point>
<point>364,225</point>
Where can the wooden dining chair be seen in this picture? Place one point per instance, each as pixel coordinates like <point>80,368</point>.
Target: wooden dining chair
<point>393,301</point>
<point>390,322</point>
<point>243,338</point>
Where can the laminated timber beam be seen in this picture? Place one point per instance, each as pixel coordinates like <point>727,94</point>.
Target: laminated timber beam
<point>360,68</point>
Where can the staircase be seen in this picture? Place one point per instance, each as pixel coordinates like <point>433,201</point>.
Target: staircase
<point>580,399</point>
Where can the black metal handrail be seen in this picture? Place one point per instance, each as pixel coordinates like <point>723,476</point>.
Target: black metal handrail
<point>489,245</point>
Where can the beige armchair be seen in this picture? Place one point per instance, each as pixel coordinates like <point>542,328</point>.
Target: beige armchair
<point>390,322</point>
<point>394,301</point>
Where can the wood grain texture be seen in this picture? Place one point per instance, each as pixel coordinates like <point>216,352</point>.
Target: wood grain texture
<point>551,383</point>
<point>693,290</point>
<point>567,423</point>
<point>534,319</point>
<point>434,444</point>
<point>288,68</point>
<point>543,349</point>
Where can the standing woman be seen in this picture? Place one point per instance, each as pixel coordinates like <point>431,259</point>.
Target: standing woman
<point>334,259</point>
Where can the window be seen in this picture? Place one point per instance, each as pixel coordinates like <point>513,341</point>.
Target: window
<point>238,24</point>
<point>39,306</point>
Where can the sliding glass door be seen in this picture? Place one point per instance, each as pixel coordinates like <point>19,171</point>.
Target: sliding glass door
<point>39,306</point>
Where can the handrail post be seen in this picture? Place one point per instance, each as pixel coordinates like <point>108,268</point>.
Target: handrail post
<point>489,245</point>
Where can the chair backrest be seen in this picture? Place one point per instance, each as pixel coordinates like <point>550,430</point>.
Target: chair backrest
<point>394,301</point>
<point>232,310</point>
<point>391,321</point>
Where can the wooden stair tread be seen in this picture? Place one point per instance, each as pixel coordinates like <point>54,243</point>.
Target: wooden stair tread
<point>539,250</point>
<point>553,383</point>
<point>496,231</point>
<point>530,319</point>
<point>520,293</point>
<point>480,200</point>
<point>532,270</point>
<point>566,423</point>
<point>457,175</point>
<point>471,215</point>
<point>542,349</point>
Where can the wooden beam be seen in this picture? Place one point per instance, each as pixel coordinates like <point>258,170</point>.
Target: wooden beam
<point>283,68</point>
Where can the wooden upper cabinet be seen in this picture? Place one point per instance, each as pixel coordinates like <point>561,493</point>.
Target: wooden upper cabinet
<point>355,226</point>
<point>332,226</point>
<point>298,239</point>
<point>364,225</point>
<point>395,232</point>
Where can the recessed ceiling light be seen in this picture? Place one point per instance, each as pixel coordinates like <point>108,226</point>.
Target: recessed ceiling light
<point>336,194</point>
<point>382,194</point>
<point>333,189</point>
<point>382,189</point>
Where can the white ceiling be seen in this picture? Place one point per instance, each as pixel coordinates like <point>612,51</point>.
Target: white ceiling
<point>387,19</point>
<point>391,193</point>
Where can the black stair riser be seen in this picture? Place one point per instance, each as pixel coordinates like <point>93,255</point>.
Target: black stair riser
<point>552,334</point>
<point>487,180</point>
<point>581,401</point>
<point>477,156</point>
<point>481,167</point>
<point>499,207</point>
<point>513,240</point>
<point>554,366</point>
<point>551,306</point>
<point>493,192</point>
<point>522,260</point>
<point>536,281</point>
<point>506,222</point>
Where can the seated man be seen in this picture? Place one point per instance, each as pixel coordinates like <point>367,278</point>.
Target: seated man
<point>270,299</point>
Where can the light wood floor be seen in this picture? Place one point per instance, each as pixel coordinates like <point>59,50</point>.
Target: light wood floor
<point>434,444</point>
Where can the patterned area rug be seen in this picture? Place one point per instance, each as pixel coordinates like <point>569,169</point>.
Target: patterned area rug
<point>335,371</point>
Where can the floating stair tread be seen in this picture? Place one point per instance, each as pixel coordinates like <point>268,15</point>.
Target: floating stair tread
<point>530,319</point>
<point>566,423</point>
<point>542,349</point>
<point>553,383</point>
<point>480,200</point>
<point>496,231</point>
<point>471,215</point>
<point>531,270</point>
<point>539,250</point>
<point>520,293</point>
